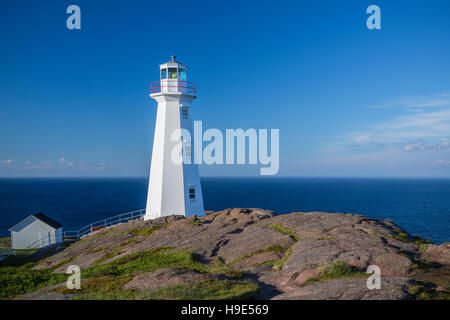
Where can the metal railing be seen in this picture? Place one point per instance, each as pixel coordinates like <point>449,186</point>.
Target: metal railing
<point>95,226</point>
<point>174,85</point>
<point>45,242</point>
<point>102,224</point>
<point>7,252</point>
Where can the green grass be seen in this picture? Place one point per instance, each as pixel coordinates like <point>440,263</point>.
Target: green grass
<point>422,247</point>
<point>5,243</point>
<point>196,222</point>
<point>154,259</point>
<point>284,230</point>
<point>421,292</point>
<point>266,263</point>
<point>404,237</point>
<point>110,288</point>
<point>97,250</point>
<point>62,263</point>
<point>17,277</point>
<point>418,264</point>
<point>105,281</point>
<point>218,261</point>
<point>278,265</point>
<point>113,253</point>
<point>421,264</point>
<point>207,290</point>
<point>145,232</point>
<point>102,288</point>
<point>336,270</point>
<point>274,248</point>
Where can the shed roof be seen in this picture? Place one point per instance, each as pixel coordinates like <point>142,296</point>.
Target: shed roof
<point>42,217</point>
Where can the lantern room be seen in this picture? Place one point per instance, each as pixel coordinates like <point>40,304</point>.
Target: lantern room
<point>173,70</point>
<point>173,79</point>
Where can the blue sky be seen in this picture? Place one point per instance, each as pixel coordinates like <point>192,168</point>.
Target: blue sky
<point>348,101</point>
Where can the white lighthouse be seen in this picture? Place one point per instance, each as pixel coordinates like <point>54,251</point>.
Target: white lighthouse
<point>174,186</point>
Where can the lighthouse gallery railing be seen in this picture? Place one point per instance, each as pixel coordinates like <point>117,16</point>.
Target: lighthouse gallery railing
<point>173,85</point>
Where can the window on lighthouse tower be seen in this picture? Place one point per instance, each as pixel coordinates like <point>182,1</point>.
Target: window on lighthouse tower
<point>192,193</point>
<point>184,113</point>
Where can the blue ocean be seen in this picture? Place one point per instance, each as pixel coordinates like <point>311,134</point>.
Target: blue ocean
<point>420,206</point>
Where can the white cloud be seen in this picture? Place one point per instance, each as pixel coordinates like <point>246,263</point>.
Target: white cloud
<point>422,146</point>
<point>415,103</point>
<point>424,125</point>
<point>443,162</point>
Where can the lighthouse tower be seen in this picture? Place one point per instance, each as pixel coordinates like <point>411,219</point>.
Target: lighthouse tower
<point>174,186</point>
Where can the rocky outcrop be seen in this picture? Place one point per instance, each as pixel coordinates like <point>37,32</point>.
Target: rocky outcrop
<point>351,289</point>
<point>281,252</point>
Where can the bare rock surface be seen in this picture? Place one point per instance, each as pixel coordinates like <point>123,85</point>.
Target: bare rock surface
<point>278,251</point>
<point>439,254</point>
<point>351,289</point>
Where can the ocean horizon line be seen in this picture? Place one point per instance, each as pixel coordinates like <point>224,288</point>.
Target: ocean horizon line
<point>236,177</point>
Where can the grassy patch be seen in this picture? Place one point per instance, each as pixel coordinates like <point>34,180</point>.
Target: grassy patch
<point>145,232</point>
<point>109,288</point>
<point>196,222</point>
<point>113,253</point>
<point>97,250</point>
<point>105,281</point>
<point>5,243</point>
<point>266,263</point>
<point>154,259</point>
<point>17,277</point>
<point>422,264</point>
<point>278,265</point>
<point>102,288</point>
<point>274,248</point>
<point>421,292</point>
<point>404,237</point>
<point>207,290</point>
<point>62,263</point>
<point>218,261</point>
<point>418,264</point>
<point>336,270</point>
<point>422,247</point>
<point>284,230</point>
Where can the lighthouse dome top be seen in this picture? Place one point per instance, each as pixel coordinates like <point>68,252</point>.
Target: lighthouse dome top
<point>173,70</point>
<point>172,63</point>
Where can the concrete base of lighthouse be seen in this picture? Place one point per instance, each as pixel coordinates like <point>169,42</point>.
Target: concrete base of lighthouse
<point>174,186</point>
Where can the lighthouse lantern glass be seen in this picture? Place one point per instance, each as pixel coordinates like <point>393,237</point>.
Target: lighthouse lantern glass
<point>173,73</point>
<point>163,73</point>
<point>182,74</point>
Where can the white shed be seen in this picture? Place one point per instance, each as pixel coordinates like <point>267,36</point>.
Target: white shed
<point>36,231</point>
